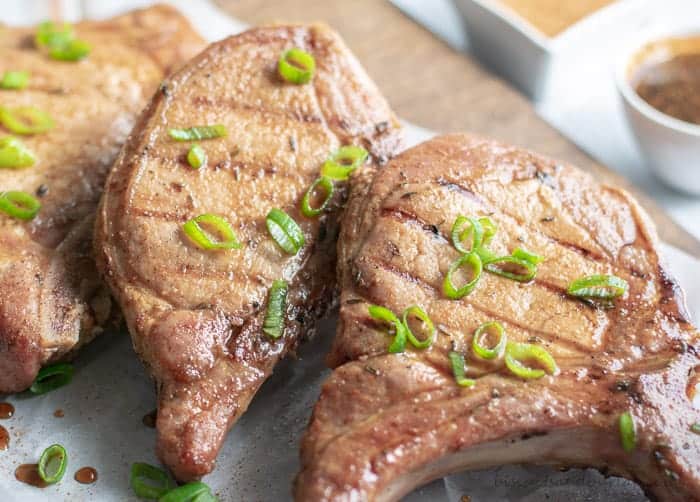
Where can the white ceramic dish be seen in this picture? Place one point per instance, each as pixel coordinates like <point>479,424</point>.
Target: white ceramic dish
<point>519,52</point>
<point>671,147</point>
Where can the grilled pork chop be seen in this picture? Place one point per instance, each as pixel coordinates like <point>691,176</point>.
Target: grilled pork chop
<point>196,315</point>
<point>386,423</point>
<point>52,300</point>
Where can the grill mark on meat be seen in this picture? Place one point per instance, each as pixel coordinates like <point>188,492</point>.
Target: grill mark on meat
<point>232,105</point>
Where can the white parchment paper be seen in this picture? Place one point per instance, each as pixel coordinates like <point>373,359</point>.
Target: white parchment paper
<point>104,406</point>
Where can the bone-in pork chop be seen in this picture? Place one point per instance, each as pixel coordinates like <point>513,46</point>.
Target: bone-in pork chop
<point>626,395</point>
<point>197,315</point>
<point>52,301</point>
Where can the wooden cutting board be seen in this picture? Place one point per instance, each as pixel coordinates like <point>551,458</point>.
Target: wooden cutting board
<point>432,85</point>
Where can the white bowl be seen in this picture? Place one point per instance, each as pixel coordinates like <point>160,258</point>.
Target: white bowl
<point>670,146</point>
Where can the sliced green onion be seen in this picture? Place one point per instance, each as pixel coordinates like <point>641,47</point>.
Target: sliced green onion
<point>193,229</point>
<point>14,80</point>
<point>628,433</point>
<point>474,263</point>
<point>196,157</point>
<point>460,233</point>
<point>605,287</point>
<point>296,66</point>
<point>149,482</point>
<point>327,186</point>
<point>198,133</point>
<point>273,325</point>
<point>51,378</point>
<point>50,34</point>
<point>285,231</point>
<point>73,50</point>
<point>695,428</point>
<point>490,229</point>
<point>25,120</point>
<point>516,353</point>
<point>206,497</point>
<point>14,154</point>
<point>457,361</point>
<point>385,315</point>
<point>342,163</point>
<point>52,464</point>
<point>186,493</point>
<point>418,312</point>
<point>530,269</point>
<point>19,205</point>
<point>497,350</point>
<point>523,254</point>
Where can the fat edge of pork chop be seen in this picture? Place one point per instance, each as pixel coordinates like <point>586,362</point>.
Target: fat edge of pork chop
<point>53,301</point>
<point>387,423</point>
<point>195,316</point>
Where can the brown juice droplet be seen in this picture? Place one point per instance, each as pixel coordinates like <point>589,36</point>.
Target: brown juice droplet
<point>4,438</point>
<point>149,420</point>
<point>29,473</point>
<point>6,410</point>
<point>58,413</point>
<point>86,475</point>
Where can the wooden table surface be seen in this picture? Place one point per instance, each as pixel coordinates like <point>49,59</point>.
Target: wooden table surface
<point>432,85</point>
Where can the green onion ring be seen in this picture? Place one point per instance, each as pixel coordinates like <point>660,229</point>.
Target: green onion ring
<point>50,34</point>
<point>448,287</point>
<point>695,428</point>
<point>458,370</point>
<point>51,378</point>
<point>383,314</point>
<point>205,497</point>
<point>327,185</point>
<point>524,254</point>
<point>14,154</point>
<point>19,205</point>
<point>13,80</point>
<point>73,50</point>
<point>198,133</point>
<point>490,230</point>
<point>25,120</point>
<point>628,433</point>
<point>52,464</point>
<point>273,325</point>
<point>531,268</point>
<point>459,233</point>
<point>296,66</point>
<point>497,350</point>
<point>198,236</point>
<point>185,493</point>
<point>285,231</point>
<point>196,156</point>
<point>418,312</point>
<point>516,352</point>
<point>605,287</point>
<point>343,162</point>
<point>149,482</point>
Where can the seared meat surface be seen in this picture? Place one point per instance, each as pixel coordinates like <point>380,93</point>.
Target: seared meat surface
<point>52,300</point>
<point>196,315</point>
<point>386,423</point>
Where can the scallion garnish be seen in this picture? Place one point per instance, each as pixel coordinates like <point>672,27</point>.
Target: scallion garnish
<point>383,314</point>
<point>473,261</point>
<point>193,229</point>
<point>198,133</point>
<point>695,428</point>
<point>598,287</point>
<point>490,229</point>
<point>465,227</point>
<point>273,325</point>
<point>285,231</point>
<point>52,464</point>
<point>327,186</point>
<point>14,80</point>
<point>342,163</point>
<point>51,378</point>
<point>457,362</point>
<point>25,120</point>
<point>517,353</point>
<point>483,331</point>
<point>190,492</point>
<point>497,266</point>
<point>418,312</point>
<point>296,66</point>
<point>524,254</point>
<point>19,205</point>
<point>149,482</point>
<point>14,154</point>
<point>60,42</point>
<point>628,432</point>
<point>196,157</point>
<point>75,50</point>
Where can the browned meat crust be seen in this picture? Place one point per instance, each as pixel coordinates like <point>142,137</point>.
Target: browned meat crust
<point>195,316</point>
<point>386,423</point>
<point>52,300</point>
